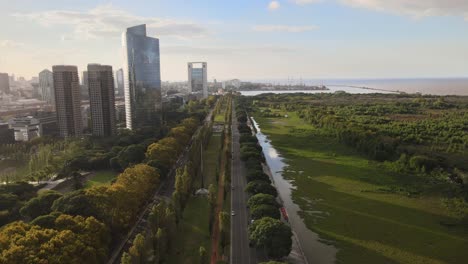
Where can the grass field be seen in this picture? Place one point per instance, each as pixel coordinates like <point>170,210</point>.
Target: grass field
<point>343,197</point>
<point>101,178</point>
<point>193,230</point>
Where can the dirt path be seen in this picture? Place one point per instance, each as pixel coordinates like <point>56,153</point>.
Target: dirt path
<point>219,206</point>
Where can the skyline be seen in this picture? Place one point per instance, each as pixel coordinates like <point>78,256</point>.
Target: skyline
<point>317,39</point>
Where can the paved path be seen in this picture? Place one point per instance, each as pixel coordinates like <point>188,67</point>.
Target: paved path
<point>241,253</point>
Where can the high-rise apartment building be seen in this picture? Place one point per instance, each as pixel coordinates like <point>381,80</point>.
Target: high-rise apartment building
<point>197,78</point>
<point>84,85</point>
<point>142,78</point>
<point>46,86</point>
<point>4,83</point>
<point>67,100</point>
<point>101,99</point>
<point>119,81</point>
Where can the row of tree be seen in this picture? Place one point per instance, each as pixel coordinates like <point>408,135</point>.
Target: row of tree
<point>156,245</point>
<point>266,231</point>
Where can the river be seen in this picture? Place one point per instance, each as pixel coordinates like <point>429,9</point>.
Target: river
<point>435,86</point>
<point>312,245</point>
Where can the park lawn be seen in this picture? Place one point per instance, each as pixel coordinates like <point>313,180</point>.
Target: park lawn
<point>219,118</point>
<point>192,232</point>
<point>101,178</point>
<point>210,161</point>
<point>343,197</point>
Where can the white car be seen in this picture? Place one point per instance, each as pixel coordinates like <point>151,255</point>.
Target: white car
<point>233,213</point>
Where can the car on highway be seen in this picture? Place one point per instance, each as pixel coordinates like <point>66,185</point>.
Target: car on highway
<point>233,213</point>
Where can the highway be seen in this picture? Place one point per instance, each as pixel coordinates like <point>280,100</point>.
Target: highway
<point>241,253</point>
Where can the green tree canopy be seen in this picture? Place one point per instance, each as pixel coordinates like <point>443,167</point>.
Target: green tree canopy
<point>255,187</point>
<point>272,235</point>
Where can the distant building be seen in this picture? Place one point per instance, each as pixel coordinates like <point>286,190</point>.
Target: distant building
<point>67,100</point>
<point>119,81</point>
<point>120,113</point>
<point>234,83</point>
<point>12,78</point>
<point>101,99</point>
<point>36,91</point>
<point>197,78</point>
<point>4,83</point>
<point>46,85</point>
<point>142,78</point>
<point>28,127</point>
<point>6,134</point>
<point>84,89</point>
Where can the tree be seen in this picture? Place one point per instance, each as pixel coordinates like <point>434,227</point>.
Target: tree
<point>132,154</point>
<point>272,235</point>
<point>255,187</point>
<point>224,228</point>
<point>126,258</point>
<point>165,150</point>
<point>212,195</point>
<point>74,239</point>
<point>181,134</point>
<point>203,255</point>
<point>137,250</point>
<point>76,203</point>
<point>257,175</point>
<point>40,205</point>
<point>262,199</point>
<point>264,210</point>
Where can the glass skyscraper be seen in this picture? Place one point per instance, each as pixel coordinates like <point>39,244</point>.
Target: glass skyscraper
<point>142,78</point>
<point>197,78</point>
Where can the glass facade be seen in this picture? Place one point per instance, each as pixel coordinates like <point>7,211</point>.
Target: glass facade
<point>142,78</point>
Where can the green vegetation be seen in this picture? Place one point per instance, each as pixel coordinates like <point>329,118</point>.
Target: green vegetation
<point>81,226</point>
<point>382,175</point>
<point>193,232</point>
<point>101,178</point>
<point>267,232</point>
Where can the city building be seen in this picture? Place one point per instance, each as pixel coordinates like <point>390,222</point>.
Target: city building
<point>46,86</point>
<point>4,83</point>
<point>142,78</point>
<point>119,82</point>
<point>101,99</point>
<point>26,128</point>
<point>67,100</point>
<point>84,89</point>
<point>6,134</point>
<point>197,78</point>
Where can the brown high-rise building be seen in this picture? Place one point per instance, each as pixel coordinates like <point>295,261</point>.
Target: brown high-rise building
<point>67,100</point>
<point>4,83</point>
<point>101,99</point>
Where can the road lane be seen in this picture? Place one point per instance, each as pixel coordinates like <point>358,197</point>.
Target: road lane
<point>241,253</point>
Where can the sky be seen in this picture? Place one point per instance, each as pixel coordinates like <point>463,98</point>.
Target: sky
<point>245,39</point>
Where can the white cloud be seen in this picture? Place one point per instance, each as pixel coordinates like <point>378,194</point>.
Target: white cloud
<point>7,43</point>
<point>305,2</point>
<point>284,28</point>
<point>415,8</point>
<point>273,5</point>
<point>108,21</point>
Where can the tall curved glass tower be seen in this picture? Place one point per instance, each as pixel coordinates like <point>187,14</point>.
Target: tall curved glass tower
<point>142,77</point>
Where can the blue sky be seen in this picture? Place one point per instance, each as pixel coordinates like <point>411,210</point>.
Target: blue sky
<point>247,39</point>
